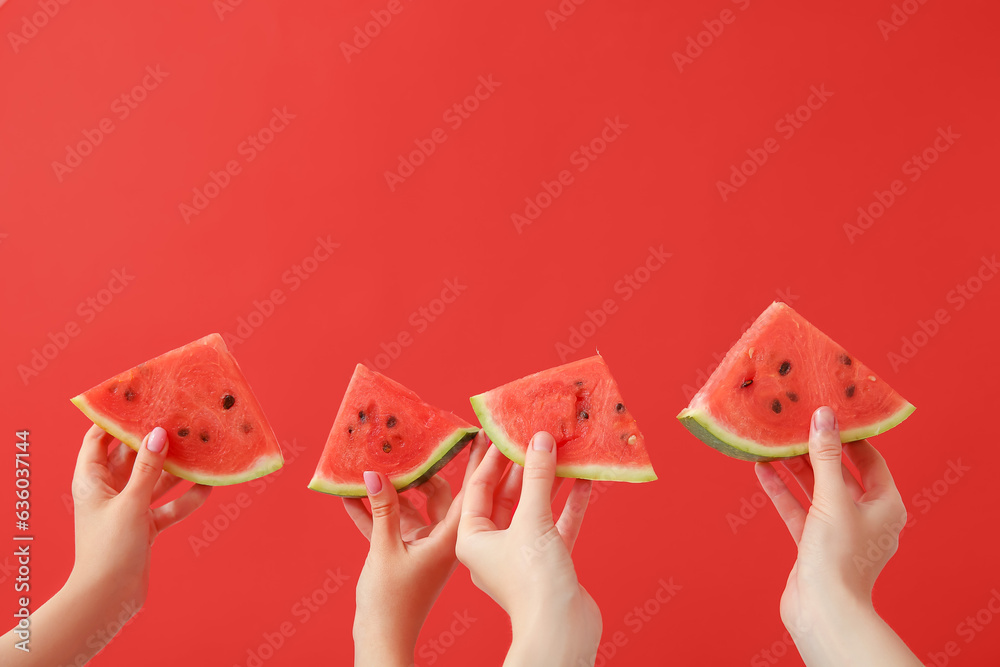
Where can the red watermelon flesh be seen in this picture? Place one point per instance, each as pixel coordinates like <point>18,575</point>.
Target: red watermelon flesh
<point>580,405</point>
<point>383,426</point>
<point>758,403</point>
<point>216,430</point>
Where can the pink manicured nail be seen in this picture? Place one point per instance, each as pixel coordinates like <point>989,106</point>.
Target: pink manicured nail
<point>542,442</point>
<point>372,482</point>
<point>824,420</point>
<point>157,438</point>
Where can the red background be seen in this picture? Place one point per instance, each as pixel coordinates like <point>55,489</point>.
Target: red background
<point>782,233</point>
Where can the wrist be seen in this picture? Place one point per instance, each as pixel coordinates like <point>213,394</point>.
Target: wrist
<point>106,597</point>
<point>378,642</point>
<point>830,632</point>
<point>558,633</point>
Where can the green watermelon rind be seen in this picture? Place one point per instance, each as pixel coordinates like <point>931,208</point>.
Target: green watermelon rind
<point>498,434</point>
<point>445,451</point>
<point>264,465</point>
<point>707,429</point>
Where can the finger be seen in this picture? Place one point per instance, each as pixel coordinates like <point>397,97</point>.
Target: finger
<point>438,498</point>
<point>446,529</point>
<point>572,515</point>
<point>825,456</point>
<point>506,496</point>
<point>93,451</point>
<point>556,485</point>
<point>789,508</point>
<point>164,484</point>
<point>410,518</point>
<point>148,466</point>
<point>181,507</point>
<point>851,482</point>
<point>874,471</point>
<point>802,472</point>
<point>121,458</point>
<point>360,515</point>
<point>539,475</point>
<point>477,451</point>
<point>385,511</point>
<point>478,502</point>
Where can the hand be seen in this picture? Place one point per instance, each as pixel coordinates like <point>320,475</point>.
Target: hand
<point>115,528</point>
<point>408,564</point>
<point>827,602</point>
<point>115,523</point>
<point>522,559</point>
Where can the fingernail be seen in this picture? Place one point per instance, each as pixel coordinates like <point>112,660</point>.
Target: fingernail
<point>156,440</point>
<point>372,482</point>
<point>542,442</point>
<point>824,420</point>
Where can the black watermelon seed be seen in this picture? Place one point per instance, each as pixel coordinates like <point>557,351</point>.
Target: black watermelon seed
<point>129,394</point>
<point>583,415</point>
<point>204,436</point>
<point>386,447</point>
<point>350,429</point>
<point>579,383</point>
<point>792,396</point>
<point>247,427</point>
<point>362,416</point>
<point>747,383</point>
<point>776,406</point>
<point>228,402</point>
<point>784,368</point>
<point>390,422</point>
<point>620,407</point>
<point>183,432</point>
<point>846,360</point>
<point>849,391</point>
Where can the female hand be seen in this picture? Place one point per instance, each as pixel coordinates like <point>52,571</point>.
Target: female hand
<point>115,528</point>
<point>408,564</point>
<point>522,558</point>
<point>827,603</point>
<point>115,523</point>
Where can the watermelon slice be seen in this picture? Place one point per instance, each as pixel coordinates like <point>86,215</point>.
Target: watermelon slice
<point>216,431</point>
<point>383,426</point>
<point>580,405</point>
<point>758,403</point>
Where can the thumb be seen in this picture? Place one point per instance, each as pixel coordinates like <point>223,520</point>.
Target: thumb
<point>825,455</point>
<point>385,509</point>
<point>148,465</point>
<point>539,475</point>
